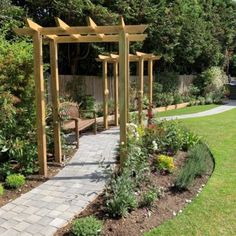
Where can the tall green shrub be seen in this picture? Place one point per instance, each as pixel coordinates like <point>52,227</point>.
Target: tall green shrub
<point>17,94</point>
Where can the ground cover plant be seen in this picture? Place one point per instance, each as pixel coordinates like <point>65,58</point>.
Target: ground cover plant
<point>88,226</point>
<point>15,180</point>
<point>213,212</point>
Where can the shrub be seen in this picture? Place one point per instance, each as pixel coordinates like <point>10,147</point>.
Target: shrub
<point>87,226</point>
<point>1,190</point>
<point>167,136</point>
<point>210,80</point>
<point>149,197</point>
<point>120,192</point>
<point>5,170</point>
<point>201,100</point>
<point>217,96</point>
<point>186,98</point>
<point>16,80</point>
<point>168,99</point>
<point>157,90</point>
<point>198,163</point>
<point>120,195</point>
<point>165,163</point>
<point>194,91</point>
<point>99,109</point>
<point>209,98</point>
<point>15,180</point>
<point>137,164</point>
<point>189,139</point>
<point>177,98</point>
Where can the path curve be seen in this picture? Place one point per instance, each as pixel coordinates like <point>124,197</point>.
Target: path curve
<point>214,111</point>
<point>50,206</point>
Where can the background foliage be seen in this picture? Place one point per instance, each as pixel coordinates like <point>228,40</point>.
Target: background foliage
<point>192,35</point>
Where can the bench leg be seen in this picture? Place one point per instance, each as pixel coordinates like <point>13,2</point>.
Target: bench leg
<point>77,134</point>
<point>95,127</point>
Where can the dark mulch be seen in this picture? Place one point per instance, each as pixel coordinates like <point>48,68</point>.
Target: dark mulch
<point>142,219</point>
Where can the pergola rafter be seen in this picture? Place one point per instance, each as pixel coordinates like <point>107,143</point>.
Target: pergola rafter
<point>63,33</point>
<point>140,57</point>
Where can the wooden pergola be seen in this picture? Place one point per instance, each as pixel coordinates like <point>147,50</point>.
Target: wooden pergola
<point>140,57</point>
<point>63,33</point>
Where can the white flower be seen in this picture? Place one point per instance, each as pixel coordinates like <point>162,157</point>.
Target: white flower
<point>174,213</point>
<point>122,143</point>
<point>154,145</point>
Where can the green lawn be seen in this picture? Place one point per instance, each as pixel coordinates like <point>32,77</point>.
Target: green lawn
<point>186,110</point>
<point>214,211</point>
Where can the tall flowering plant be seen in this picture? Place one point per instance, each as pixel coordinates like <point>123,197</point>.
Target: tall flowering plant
<point>134,133</point>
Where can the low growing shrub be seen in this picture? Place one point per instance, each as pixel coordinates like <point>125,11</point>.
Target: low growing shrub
<point>168,138</point>
<point>120,195</point>
<point>166,135</point>
<point>15,180</point>
<point>189,140</point>
<point>198,163</point>
<point>87,226</point>
<point>1,190</point>
<point>165,163</point>
<point>149,197</point>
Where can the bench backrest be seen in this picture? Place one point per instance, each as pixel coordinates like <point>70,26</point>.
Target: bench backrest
<point>69,109</point>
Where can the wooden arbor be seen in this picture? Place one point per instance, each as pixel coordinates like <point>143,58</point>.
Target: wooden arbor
<point>114,59</point>
<point>63,33</point>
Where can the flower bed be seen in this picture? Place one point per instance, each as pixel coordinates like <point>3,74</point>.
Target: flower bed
<point>163,161</point>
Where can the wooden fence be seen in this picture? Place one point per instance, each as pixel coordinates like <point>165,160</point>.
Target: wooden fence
<point>93,84</point>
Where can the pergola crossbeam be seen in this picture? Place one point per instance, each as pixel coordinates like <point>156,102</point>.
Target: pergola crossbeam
<point>84,30</point>
<point>93,25</point>
<point>99,38</point>
<point>34,26</point>
<point>60,23</point>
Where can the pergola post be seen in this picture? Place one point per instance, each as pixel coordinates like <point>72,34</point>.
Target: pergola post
<point>140,91</point>
<point>55,99</point>
<point>40,103</point>
<point>105,95</point>
<point>150,80</point>
<point>127,85</point>
<point>123,60</point>
<point>116,93</point>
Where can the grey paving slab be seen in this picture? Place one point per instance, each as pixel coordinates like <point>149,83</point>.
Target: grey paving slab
<point>51,205</point>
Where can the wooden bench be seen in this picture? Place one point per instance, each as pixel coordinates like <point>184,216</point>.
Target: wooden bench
<point>73,119</point>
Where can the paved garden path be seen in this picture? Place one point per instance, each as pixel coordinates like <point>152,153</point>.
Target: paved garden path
<point>51,205</point>
<point>226,107</point>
